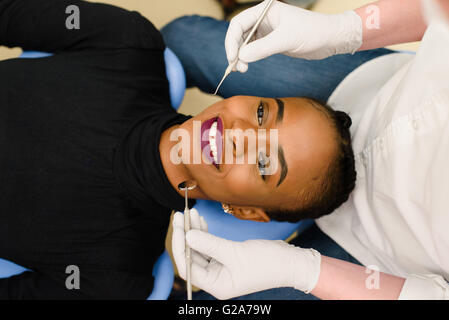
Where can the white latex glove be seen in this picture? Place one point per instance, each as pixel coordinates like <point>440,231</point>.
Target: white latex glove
<point>294,32</point>
<point>228,269</point>
<point>178,240</point>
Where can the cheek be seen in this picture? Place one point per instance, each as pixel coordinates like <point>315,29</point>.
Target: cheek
<point>239,182</point>
<point>212,110</point>
<point>236,187</point>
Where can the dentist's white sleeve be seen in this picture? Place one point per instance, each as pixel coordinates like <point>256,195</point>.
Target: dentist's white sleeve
<point>425,287</point>
<point>396,219</point>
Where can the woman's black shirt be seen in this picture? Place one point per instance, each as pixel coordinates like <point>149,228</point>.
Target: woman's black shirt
<point>81,180</point>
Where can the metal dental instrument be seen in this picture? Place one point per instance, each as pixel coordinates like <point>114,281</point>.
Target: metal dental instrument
<point>186,186</point>
<point>250,35</point>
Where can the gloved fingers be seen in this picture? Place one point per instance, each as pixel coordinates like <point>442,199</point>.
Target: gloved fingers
<point>178,240</point>
<point>210,278</point>
<point>195,222</point>
<point>262,48</point>
<point>242,66</point>
<point>209,245</point>
<point>204,226</point>
<point>233,41</point>
<point>248,18</point>
<point>196,258</point>
<point>238,26</point>
<point>178,243</point>
<point>200,259</point>
<point>200,276</point>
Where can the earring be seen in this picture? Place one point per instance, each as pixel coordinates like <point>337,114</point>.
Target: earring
<point>227,208</point>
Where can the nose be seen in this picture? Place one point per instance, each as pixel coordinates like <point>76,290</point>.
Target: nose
<point>246,140</point>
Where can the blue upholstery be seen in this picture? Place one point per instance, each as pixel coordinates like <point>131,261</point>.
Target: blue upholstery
<point>8,269</point>
<point>176,78</point>
<point>34,55</point>
<point>164,275</point>
<point>227,226</point>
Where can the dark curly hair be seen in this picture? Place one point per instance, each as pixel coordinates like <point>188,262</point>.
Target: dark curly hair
<point>338,182</point>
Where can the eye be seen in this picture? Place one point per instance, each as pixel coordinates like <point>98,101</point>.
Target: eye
<point>260,113</point>
<point>262,164</point>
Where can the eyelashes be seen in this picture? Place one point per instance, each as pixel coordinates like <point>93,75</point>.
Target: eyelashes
<point>260,113</point>
<point>262,161</point>
<point>262,165</point>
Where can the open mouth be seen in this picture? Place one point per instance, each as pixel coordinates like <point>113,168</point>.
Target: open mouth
<point>212,140</point>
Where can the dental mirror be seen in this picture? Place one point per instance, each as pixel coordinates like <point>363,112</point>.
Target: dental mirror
<point>186,186</point>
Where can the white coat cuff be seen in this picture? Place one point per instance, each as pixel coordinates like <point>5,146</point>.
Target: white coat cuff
<point>424,287</point>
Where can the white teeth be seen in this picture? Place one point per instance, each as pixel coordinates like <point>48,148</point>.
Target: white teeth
<point>212,141</point>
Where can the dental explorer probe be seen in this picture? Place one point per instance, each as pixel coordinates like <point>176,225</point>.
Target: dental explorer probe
<point>250,35</point>
<point>185,186</point>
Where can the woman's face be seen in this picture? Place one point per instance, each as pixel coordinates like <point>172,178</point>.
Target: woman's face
<point>306,143</point>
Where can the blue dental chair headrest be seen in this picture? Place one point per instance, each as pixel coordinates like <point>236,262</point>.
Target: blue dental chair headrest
<point>229,227</point>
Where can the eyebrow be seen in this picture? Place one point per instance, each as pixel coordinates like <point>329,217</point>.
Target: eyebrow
<point>284,167</point>
<point>280,114</point>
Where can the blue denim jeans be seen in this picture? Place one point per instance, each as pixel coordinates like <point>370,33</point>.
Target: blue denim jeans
<point>199,44</point>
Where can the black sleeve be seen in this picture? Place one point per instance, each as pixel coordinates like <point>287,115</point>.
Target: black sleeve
<point>35,286</point>
<point>41,26</point>
<point>96,284</point>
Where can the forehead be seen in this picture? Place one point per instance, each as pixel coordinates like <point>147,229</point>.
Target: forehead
<point>308,141</point>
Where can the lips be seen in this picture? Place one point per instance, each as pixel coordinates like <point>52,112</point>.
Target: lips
<point>212,140</point>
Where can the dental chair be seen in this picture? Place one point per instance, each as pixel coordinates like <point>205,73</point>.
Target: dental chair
<point>220,223</point>
<point>229,227</point>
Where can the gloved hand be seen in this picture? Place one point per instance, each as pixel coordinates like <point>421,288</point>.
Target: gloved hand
<point>178,240</point>
<point>228,269</point>
<point>294,32</point>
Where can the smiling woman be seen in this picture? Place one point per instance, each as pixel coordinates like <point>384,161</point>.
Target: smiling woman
<point>315,172</point>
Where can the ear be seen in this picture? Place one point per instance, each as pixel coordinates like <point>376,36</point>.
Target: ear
<point>250,213</point>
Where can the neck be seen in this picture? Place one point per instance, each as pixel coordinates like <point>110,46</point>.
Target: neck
<point>176,173</point>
